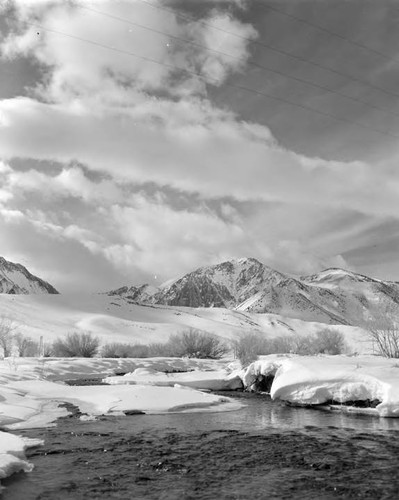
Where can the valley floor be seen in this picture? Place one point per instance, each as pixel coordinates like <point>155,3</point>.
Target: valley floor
<point>32,389</point>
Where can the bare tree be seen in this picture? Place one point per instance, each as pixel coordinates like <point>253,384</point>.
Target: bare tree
<point>7,332</point>
<point>383,328</point>
<point>76,344</point>
<point>25,346</point>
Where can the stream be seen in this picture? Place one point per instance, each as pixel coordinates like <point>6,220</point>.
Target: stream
<point>265,450</point>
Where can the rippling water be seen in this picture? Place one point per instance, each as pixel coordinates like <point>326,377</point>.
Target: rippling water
<point>266,450</point>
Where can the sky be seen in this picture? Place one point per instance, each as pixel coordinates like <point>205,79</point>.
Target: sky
<point>141,139</point>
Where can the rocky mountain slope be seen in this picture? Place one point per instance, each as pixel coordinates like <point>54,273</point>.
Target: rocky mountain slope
<point>333,296</point>
<point>16,279</point>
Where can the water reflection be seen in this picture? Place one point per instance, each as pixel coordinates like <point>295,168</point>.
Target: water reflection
<point>262,414</point>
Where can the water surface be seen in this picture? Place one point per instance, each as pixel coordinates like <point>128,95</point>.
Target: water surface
<point>266,450</point>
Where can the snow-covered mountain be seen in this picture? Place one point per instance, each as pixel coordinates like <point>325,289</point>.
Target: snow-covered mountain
<point>16,279</point>
<point>333,296</point>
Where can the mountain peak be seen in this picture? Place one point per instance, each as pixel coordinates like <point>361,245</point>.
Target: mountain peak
<point>334,275</point>
<point>333,296</point>
<point>16,279</point>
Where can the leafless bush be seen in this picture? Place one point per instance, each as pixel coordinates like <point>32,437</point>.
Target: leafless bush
<point>191,343</point>
<point>383,329</point>
<point>25,346</point>
<point>161,350</point>
<point>329,341</point>
<point>248,347</point>
<point>48,350</point>
<point>195,343</point>
<point>303,345</point>
<point>282,344</point>
<point>75,344</point>
<point>119,350</point>
<point>7,332</point>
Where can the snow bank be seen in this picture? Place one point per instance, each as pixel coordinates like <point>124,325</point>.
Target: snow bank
<point>220,380</point>
<point>12,454</point>
<point>75,368</point>
<point>98,400</point>
<point>29,396</point>
<point>309,380</point>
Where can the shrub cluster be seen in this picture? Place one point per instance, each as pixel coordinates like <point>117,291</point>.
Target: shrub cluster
<point>196,344</point>
<point>192,343</point>
<point>82,345</point>
<point>327,341</point>
<point>12,341</point>
<point>382,326</point>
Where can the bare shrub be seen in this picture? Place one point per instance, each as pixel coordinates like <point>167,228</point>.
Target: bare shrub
<point>113,350</point>
<point>282,344</point>
<point>326,341</point>
<point>154,350</point>
<point>382,326</point>
<point>248,347</point>
<point>192,343</point>
<point>48,350</point>
<point>195,343</point>
<point>304,345</point>
<point>160,350</point>
<point>120,350</point>
<point>330,341</point>
<point>7,332</point>
<point>25,346</point>
<point>75,344</point>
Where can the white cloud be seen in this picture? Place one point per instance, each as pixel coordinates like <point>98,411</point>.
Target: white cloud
<point>130,121</point>
<point>154,234</point>
<point>102,111</point>
<point>80,68</point>
<point>215,156</point>
<point>143,234</point>
<point>70,182</point>
<point>300,258</point>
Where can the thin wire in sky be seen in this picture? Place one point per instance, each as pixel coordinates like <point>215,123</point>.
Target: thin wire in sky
<point>207,79</point>
<point>241,59</point>
<point>329,32</point>
<point>296,57</point>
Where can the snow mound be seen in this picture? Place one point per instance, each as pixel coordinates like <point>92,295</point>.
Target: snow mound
<point>307,380</point>
<point>12,454</point>
<point>29,395</point>
<point>100,399</point>
<point>220,380</point>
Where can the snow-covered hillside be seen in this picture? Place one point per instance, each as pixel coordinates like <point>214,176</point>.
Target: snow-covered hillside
<point>228,299</point>
<point>16,279</point>
<point>333,296</point>
<point>114,319</point>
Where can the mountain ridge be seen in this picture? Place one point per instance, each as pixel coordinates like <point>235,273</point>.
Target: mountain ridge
<point>16,279</point>
<point>334,295</point>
